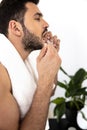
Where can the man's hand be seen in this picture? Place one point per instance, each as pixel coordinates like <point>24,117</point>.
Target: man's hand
<point>48,64</point>
<point>50,39</point>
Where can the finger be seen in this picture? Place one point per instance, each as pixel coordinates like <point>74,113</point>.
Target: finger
<point>47,36</point>
<point>56,42</point>
<point>42,52</point>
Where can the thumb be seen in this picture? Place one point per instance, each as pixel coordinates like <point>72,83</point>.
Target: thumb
<point>42,52</point>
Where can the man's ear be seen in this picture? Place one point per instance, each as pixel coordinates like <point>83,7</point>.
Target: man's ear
<point>15,28</point>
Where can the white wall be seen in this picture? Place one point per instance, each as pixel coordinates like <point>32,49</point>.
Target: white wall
<point>68,19</point>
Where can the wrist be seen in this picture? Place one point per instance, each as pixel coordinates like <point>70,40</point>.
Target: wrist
<point>46,87</point>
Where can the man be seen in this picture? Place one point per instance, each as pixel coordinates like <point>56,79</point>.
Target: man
<point>23,30</point>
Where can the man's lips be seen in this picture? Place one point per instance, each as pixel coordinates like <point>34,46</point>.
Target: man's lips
<point>44,32</point>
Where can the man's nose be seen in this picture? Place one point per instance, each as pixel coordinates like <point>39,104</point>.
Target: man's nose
<point>45,24</point>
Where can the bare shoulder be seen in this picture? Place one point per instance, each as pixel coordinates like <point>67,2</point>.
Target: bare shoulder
<point>4,78</point>
<point>9,111</point>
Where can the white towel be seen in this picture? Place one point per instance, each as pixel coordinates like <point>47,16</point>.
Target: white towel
<point>32,58</point>
<point>23,84</point>
<point>23,76</point>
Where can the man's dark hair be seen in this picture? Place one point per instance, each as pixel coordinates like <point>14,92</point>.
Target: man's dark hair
<point>12,10</point>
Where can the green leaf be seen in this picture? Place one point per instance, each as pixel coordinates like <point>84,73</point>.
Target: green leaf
<point>75,91</point>
<point>81,91</point>
<point>62,85</point>
<point>59,110</point>
<point>79,77</point>
<point>58,100</point>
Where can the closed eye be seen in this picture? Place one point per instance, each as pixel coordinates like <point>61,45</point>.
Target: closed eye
<point>38,16</point>
<point>38,19</point>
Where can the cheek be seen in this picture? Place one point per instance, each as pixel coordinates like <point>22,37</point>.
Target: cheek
<point>38,28</point>
<point>37,31</point>
<point>35,28</point>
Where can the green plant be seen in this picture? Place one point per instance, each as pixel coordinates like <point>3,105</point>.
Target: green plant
<point>75,93</point>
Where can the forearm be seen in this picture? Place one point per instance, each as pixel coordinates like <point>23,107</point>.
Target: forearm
<point>48,64</point>
<point>37,116</point>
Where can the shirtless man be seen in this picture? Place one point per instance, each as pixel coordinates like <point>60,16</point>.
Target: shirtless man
<point>22,23</point>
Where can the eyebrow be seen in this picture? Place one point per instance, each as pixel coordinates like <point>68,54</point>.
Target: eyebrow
<point>38,14</point>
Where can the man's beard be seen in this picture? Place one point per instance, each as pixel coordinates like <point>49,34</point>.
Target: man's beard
<point>31,41</point>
